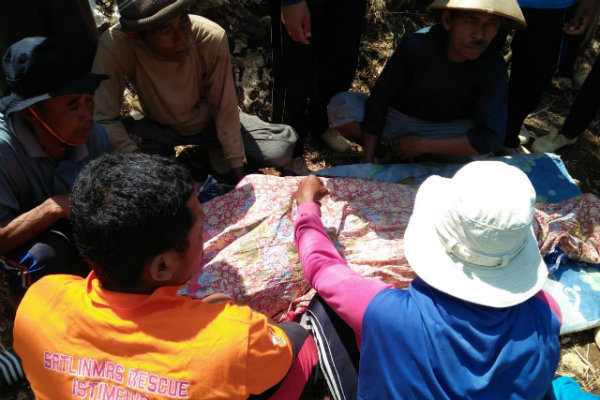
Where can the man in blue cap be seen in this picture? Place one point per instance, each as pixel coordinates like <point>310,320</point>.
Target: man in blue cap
<point>47,135</point>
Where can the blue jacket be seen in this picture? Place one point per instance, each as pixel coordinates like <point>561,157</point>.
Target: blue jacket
<point>446,348</point>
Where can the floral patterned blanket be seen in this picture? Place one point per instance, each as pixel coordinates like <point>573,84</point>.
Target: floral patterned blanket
<point>250,252</point>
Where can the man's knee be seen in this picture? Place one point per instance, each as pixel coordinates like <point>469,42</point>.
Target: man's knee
<point>51,252</point>
<point>299,382</point>
<point>346,107</point>
<point>267,143</point>
<point>279,151</point>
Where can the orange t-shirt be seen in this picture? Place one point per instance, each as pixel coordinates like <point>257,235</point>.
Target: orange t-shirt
<point>78,340</point>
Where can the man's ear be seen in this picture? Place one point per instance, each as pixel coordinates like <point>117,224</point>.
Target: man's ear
<point>135,37</point>
<point>161,266</point>
<point>446,19</point>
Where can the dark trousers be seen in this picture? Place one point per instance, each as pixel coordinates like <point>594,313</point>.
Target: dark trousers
<point>535,53</point>
<point>338,352</point>
<point>302,388</point>
<point>52,252</point>
<point>265,144</point>
<point>585,106</point>
<point>307,76</point>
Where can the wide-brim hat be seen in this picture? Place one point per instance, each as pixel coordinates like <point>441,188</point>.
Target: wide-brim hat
<point>143,15</point>
<point>36,69</point>
<point>472,236</point>
<point>509,9</point>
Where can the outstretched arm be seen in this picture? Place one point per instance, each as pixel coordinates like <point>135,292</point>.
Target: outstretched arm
<point>347,292</point>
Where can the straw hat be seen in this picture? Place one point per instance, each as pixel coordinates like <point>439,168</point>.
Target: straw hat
<point>509,9</point>
<point>472,236</point>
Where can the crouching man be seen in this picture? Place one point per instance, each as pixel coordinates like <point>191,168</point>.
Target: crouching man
<point>179,66</point>
<point>138,223</point>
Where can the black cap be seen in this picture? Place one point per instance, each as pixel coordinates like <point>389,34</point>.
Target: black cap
<point>36,69</point>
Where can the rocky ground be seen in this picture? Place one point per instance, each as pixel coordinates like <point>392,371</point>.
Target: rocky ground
<point>248,25</point>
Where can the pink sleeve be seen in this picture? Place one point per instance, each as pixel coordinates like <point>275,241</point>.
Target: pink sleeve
<point>548,299</point>
<point>347,292</point>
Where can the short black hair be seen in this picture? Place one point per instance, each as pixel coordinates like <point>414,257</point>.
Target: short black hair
<point>127,208</point>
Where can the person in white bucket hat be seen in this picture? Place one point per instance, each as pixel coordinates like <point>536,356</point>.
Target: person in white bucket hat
<point>441,94</point>
<point>478,244</point>
<point>474,323</point>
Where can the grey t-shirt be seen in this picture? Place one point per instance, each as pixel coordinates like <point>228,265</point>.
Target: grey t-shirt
<point>28,176</point>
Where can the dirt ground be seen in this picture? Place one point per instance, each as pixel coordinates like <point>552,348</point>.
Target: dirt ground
<point>580,356</point>
<point>387,22</point>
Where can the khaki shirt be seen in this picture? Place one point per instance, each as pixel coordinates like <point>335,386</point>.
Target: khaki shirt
<point>186,96</point>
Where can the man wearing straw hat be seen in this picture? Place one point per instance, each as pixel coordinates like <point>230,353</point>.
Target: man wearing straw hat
<point>474,323</point>
<point>443,91</point>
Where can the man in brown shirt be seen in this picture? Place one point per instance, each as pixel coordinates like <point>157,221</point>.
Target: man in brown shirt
<point>178,65</point>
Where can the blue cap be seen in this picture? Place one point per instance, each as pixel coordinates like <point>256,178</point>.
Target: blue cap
<point>36,69</point>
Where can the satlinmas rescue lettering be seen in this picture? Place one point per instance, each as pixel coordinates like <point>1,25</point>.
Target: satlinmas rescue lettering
<point>88,372</point>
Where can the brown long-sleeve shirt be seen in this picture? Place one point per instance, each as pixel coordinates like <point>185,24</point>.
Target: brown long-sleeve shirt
<point>186,96</point>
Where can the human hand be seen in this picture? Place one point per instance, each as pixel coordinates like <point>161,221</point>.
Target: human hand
<point>296,18</point>
<point>408,146</point>
<point>584,14</point>
<point>310,188</point>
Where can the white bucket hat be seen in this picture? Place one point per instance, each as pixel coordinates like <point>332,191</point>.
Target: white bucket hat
<point>472,236</point>
<point>509,9</point>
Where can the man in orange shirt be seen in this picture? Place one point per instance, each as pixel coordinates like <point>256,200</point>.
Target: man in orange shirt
<point>123,332</point>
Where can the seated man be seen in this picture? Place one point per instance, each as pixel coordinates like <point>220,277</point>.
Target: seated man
<point>474,323</point>
<point>178,65</point>
<point>70,22</point>
<point>123,331</point>
<point>47,135</point>
<point>443,91</point>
